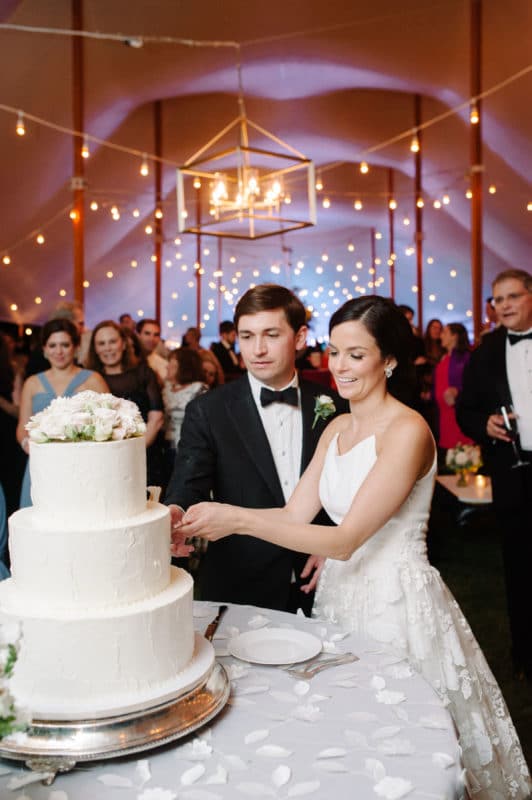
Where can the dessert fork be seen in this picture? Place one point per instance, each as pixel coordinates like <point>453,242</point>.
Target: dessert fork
<point>308,672</point>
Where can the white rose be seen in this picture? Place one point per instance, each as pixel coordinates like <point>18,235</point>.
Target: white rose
<point>103,430</point>
<point>461,459</point>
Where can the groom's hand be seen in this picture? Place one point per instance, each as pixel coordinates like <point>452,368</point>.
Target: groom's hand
<point>178,548</point>
<point>313,567</point>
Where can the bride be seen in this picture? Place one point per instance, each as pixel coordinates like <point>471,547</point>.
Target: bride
<point>373,472</point>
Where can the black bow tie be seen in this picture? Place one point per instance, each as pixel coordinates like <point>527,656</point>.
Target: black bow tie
<point>513,338</point>
<point>289,396</point>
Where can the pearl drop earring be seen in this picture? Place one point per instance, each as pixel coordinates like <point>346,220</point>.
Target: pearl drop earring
<point>388,371</point>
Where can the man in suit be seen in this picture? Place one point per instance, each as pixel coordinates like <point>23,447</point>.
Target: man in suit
<point>500,374</point>
<point>247,444</point>
<point>224,350</point>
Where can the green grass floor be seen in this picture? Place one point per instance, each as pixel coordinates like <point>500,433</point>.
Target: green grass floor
<point>468,556</point>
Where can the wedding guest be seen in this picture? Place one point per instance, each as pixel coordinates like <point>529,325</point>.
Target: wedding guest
<point>224,350</point>
<point>134,380</point>
<point>191,339</point>
<point>448,379</point>
<point>247,443</point>
<point>183,384</point>
<point>149,334</point>
<point>60,341</point>
<point>373,471</point>
<point>211,373</point>
<point>126,321</point>
<point>500,374</point>
<point>72,311</point>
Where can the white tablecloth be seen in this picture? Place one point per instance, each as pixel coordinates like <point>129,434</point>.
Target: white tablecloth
<point>361,731</point>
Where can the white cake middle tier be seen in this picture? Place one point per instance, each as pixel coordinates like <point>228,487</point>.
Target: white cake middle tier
<point>117,564</point>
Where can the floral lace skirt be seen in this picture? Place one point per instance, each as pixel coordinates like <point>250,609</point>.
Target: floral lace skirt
<point>407,608</point>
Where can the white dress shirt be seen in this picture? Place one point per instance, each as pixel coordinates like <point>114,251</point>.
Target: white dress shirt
<point>283,425</point>
<point>519,370</point>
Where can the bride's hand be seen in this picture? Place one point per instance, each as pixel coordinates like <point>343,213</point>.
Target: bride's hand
<point>211,521</point>
<point>313,563</point>
<point>178,547</point>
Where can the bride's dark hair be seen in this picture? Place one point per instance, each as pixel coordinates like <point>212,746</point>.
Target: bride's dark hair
<point>393,334</point>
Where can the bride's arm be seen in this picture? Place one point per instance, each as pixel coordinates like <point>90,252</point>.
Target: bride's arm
<point>404,454</point>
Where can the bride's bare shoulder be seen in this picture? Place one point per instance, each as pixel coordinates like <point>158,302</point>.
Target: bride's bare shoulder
<point>406,424</point>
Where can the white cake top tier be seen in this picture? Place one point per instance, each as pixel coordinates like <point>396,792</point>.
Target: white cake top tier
<point>88,482</point>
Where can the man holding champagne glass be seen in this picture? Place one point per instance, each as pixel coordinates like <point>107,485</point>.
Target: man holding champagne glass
<point>495,409</point>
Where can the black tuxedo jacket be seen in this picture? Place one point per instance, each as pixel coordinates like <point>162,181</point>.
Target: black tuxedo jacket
<point>485,389</point>
<point>224,455</point>
<point>222,354</point>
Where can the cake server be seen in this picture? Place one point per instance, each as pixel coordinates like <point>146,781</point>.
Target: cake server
<point>212,626</point>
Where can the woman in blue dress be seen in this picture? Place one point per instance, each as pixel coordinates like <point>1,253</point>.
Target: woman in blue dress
<point>60,339</point>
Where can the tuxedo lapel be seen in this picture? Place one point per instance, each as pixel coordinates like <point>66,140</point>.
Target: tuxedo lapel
<point>499,373</point>
<point>241,408</point>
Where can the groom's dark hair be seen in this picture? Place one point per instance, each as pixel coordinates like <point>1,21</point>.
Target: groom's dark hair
<point>268,297</point>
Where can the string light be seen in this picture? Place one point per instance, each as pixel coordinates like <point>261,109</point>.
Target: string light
<point>86,284</point>
<point>392,205</point>
<point>364,167</point>
<point>94,206</point>
<point>406,221</point>
<point>38,300</point>
<point>351,247</point>
<point>326,202</point>
<point>446,199</point>
<point>437,204</point>
<point>197,183</point>
<point>529,206</point>
<point>378,235</point>
<point>492,189</point>
<point>158,213</point>
<point>414,144</point>
<point>357,205</point>
<point>40,239</point>
<point>13,307</point>
<point>21,128</point>
<point>144,168</point>
<point>474,116</point>
<point>419,202</point>
<point>469,194</point>
<point>73,214</point>
<point>148,230</point>
<point>319,184</point>
<point>135,213</point>
<point>6,260</point>
<point>85,152</point>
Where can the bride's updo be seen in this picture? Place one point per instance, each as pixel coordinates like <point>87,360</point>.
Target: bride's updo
<point>393,334</point>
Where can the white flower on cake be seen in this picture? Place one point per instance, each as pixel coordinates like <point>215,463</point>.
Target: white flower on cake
<point>11,717</point>
<point>86,417</point>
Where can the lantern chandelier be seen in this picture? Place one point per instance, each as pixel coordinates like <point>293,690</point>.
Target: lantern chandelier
<point>244,191</point>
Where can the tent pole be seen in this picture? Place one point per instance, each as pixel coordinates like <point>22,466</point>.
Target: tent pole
<point>158,223</point>
<point>476,168</point>
<point>418,163</point>
<point>391,220</point>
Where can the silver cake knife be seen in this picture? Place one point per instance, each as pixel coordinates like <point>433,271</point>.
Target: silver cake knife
<point>212,626</point>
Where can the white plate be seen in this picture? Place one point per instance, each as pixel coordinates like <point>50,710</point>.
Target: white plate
<point>275,646</point>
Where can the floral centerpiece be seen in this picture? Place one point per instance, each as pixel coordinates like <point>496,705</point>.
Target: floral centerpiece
<point>86,417</point>
<point>463,459</point>
<point>11,717</point>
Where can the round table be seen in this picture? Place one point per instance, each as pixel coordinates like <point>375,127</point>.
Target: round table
<point>369,729</point>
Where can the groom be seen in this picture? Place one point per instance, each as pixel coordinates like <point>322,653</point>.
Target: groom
<point>247,443</point>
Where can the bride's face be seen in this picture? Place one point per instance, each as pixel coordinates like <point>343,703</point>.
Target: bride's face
<point>355,361</point>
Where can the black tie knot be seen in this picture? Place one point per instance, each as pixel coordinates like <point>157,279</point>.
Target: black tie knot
<point>288,395</point>
<point>513,338</point>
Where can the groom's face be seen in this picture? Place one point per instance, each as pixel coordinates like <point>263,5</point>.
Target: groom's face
<point>268,346</point>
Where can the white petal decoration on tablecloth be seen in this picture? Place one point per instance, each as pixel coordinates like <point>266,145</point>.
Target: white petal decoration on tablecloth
<point>308,713</point>
<point>199,794</point>
<point>257,736</point>
<point>345,683</point>
<point>236,671</point>
<point>329,646</point>
<point>435,721</point>
<point>332,752</point>
<point>236,762</point>
<point>273,751</point>
<point>157,793</point>
<point>257,688</point>
<point>442,760</point>
<point>240,702</point>
<point>385,732</point>
<point>304,788</point>
<point>256,789</point>
<point>318,698</point>
<point>115,780</point>
<point>375,768</point>
<point>192,775</point>
<point>302,688</point>
<point>258,621</point>
<point>401,713</point>
<point>281,775</point>
<point>392,788</point>
<point>143,772</point>
<point>396,747</point>
<point>337,637</point>
<point>196,750</point>
<point>219,776</point>
<point>378,682</point>
<point>389,697</point>
<point>400,671</point>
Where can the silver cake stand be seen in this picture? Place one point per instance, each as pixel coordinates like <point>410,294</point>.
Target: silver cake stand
<point>56,746</point>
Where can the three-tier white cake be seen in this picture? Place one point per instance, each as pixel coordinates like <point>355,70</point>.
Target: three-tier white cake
<point>106,620</point>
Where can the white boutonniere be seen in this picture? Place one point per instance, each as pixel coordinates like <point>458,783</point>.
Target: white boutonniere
<point>323,407</point>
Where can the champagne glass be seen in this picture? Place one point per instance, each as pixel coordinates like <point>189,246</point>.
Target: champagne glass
<point>510,423</point>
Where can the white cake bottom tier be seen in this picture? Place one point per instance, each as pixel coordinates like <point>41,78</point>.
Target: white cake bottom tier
<point>72,667</point>
<point>82,567</point>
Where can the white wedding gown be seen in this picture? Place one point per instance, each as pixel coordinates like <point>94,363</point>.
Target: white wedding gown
<point>388,592</point>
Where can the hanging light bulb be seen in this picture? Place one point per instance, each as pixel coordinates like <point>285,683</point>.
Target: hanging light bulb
<point>326,202</point>
<point>158,213</point>
<point>40,239</point>
<point>392,205</point>
<point>446,199</point>
<point>474,116</point>
<point>319,184</point>
<point>21,128</point>
<point>364,168</point>
<point>94,206</point>
<point>469,194</point>
<point>414,144</point>
<point>85,152</point>
<point>73,214</point>
<point>357,205</point>
<point>197,183</point>
<point>492,189</point>
<point>437,204</point>
<point>419,202</point>
<point>6,259</point>
<point>144,168</point>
